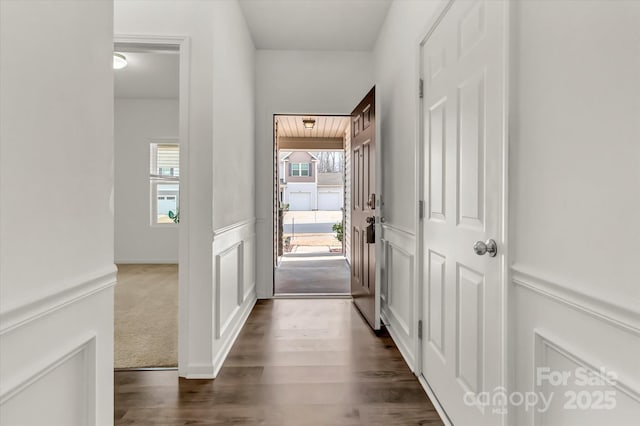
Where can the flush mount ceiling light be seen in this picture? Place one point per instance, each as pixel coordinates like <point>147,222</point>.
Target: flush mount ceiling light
<point>119,61</point>
<point>308,123</point>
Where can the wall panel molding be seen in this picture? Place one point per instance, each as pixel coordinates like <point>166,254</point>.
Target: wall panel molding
<point>545,341</point>
<point>545,344</point>
<point>398,289</point>
<point>85,347</point>
<point>234,290</point>
<point>82,288</point>
<point>623,317</point>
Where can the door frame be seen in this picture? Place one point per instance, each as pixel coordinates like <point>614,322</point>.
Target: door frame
<point>274,173</point>
<point>421,206</point>
<point>183,46</point>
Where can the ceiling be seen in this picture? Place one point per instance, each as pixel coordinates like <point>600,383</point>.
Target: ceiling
<point>326,126</point>
<point>148,74</point>
<point>315,24</point>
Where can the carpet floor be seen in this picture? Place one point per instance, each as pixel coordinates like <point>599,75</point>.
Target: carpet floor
<point>304,273</point>
<point>146,316</point>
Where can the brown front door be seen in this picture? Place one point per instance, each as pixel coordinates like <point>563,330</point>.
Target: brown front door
<point>363,254</point>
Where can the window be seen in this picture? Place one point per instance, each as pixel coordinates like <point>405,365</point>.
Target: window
<point>300,169</point>
<point>164,178</point>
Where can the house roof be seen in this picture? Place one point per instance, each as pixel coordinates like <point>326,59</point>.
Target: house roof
<point>285,155</point>
<point>330,179</point>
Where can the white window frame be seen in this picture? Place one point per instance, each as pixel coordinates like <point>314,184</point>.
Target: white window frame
<point>293,171</point>
<point>155,179</point>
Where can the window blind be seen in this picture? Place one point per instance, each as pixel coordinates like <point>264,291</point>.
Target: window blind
<point>165,161</point>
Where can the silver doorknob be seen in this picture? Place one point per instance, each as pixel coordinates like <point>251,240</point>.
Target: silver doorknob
<point>483,248</point>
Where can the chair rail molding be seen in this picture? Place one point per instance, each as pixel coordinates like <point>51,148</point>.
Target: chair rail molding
<point>624,317</point>
<point>83,287</point>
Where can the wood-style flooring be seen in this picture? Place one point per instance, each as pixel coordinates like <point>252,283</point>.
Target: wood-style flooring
<point>295,362</point>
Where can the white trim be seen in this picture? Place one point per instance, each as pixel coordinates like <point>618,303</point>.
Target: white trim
<point>624,317</point>
<point>543,340</point>
<point>229,340</point>
<point>507,351</point>
<point>399,229</point>
<point>183,44</point>
<point>222,324</point>
<point>220,231</point>
<point>430,26</point>
<point>436,404</point>
<point>85,346</point>
<point>405,350</point>
<point>198,371</point>
<point>84,287</point>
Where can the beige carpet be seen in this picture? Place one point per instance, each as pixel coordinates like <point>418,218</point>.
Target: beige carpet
<point>146,316</point>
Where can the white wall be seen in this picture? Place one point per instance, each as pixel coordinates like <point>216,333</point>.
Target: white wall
<point>220,140</point>
<point>137,123</point>
<point>317,82</point>
<point>574,197</point>
<point>397,73</point>
<point>56,262</point>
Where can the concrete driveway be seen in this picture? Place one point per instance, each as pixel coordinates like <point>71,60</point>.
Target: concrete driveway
<point>318,216</point>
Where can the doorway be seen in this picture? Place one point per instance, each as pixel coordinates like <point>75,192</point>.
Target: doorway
<point>149,157</point>
<point>311,205</point>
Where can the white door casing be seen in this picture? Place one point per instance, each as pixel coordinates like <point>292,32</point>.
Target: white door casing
<point>463,174</point>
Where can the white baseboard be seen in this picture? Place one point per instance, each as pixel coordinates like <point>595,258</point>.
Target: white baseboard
<point>434,401</point>
<point>406,352</point>
<point>232,334</point>
<point>199,371</point>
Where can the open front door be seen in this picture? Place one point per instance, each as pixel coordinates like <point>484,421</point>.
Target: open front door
<point>365,205</point>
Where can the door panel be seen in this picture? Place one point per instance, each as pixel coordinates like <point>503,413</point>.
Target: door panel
<point>462,137</point>
<point>363,161</point>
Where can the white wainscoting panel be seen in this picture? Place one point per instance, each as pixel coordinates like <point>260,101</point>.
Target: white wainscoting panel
<point>56,356</point>
<point>398,289</point>
<point>64,389</point>
<point>234,287</point>
<point>584,387</point>
<point>558,328</point>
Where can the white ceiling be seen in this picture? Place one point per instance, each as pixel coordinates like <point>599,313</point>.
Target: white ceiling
<point>326,126</point>
<point>152,74</point>
<point>315,24</point>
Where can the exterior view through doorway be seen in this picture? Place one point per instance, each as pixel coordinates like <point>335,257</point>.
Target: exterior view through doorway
<point>311,205</point>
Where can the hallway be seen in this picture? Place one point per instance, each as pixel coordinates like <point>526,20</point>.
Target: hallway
<point>296,362</point>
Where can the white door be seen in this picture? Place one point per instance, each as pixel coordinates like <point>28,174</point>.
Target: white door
<point>300,201</point>
<point>462,141</point>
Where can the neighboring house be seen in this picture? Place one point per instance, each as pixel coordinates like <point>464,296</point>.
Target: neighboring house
<point>303,187</point>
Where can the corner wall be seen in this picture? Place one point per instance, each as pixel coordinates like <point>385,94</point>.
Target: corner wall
<point>219,176</point>
<point>56,226</point>
<point>294,82</point>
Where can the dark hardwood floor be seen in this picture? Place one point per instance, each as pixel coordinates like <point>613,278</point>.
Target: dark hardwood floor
<point>296,362</point>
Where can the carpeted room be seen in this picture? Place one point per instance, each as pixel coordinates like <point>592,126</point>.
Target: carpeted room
<point>146,206</point>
